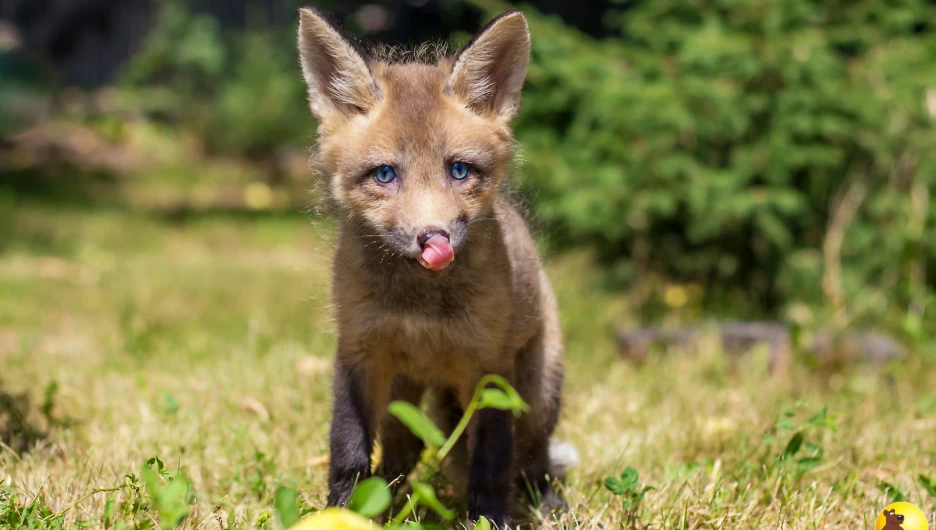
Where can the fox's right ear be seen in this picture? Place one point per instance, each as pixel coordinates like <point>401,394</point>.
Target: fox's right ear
<point>339,81</point>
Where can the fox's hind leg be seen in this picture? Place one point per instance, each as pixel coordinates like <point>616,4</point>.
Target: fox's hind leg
<point>535,479</point>
<point>400,447</point>
<point>540,375</point>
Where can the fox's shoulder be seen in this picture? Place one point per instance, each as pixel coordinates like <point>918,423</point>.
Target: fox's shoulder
<point>514,228</point>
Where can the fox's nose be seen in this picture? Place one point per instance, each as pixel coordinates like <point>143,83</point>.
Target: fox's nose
<point>436,244</point>
<point>429,232</point>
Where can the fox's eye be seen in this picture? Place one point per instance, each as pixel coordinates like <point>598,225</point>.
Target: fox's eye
<point>459,171</point>
<point>384,174</point>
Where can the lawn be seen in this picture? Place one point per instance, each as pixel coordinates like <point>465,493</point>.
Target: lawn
<point>205,340</point>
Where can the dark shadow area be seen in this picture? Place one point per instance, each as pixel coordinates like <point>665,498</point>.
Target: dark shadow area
<point>62,184</point>
<point>20,428</point>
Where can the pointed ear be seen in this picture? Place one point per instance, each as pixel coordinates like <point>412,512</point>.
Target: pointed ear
<point>339,80</point>
<point>488,72</point>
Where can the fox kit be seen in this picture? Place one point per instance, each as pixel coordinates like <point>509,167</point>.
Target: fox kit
<point>437,281</point>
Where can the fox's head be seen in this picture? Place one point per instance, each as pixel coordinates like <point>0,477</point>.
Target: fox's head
<point>415,152</point>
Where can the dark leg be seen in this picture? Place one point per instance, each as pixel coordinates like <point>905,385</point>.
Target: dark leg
<point>542,389</point>
<point>535,480</point>
<point>401,448</point>
<point>491,474</point>
<point>445,411</point>
<point>351,434</point>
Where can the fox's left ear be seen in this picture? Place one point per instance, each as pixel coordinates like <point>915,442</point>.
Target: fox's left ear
<point>488,72</point>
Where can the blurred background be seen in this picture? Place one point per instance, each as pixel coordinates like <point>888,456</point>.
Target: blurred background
<point>165,268</point>
<point>730,158</point>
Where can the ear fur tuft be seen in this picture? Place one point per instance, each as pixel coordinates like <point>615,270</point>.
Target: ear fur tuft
<point>488,73</point>
<point>336,73</point>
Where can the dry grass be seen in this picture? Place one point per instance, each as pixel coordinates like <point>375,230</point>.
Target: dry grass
<point>207,343</point>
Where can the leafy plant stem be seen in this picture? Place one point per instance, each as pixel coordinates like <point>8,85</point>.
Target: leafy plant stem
<point>407,509</point>
<point>466,417</point>
<point>81,500</point>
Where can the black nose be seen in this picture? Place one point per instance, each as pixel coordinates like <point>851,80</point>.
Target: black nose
<point>429,232</point>
<point>900,518</point>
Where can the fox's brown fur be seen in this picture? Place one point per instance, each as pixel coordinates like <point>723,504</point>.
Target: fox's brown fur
<point>404,330</point>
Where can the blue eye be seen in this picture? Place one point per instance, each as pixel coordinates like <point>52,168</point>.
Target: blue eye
<point>459,171</point>
<point>384,174</point>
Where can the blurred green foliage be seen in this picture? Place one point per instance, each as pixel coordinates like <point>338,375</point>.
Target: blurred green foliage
<point>712,142</point>
<point>768,155</point>
<point>239,91</point>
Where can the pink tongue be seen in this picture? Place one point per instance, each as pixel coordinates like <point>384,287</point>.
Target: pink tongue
<point>437,253</point>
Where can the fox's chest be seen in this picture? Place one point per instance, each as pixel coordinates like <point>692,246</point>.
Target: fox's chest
<point>431,330</point>
<point>433,347</point>
<point>430,348</point>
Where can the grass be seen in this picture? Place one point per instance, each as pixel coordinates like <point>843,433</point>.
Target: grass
<point>206,341</point>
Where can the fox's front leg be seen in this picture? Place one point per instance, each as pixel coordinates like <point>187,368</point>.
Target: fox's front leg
<point>351,438</point>
<point>491,473</point>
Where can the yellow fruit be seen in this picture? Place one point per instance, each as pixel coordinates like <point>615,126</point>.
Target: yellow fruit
<point>914,518</point>
<point>334,519</point>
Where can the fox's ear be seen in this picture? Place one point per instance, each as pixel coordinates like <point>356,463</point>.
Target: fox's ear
<point>339,80</point>
<point>488,72</point>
